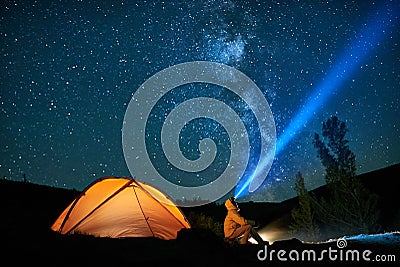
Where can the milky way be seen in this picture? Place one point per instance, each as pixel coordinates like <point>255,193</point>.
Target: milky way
<point>70,69</point>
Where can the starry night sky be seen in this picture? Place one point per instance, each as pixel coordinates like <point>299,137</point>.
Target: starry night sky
<point>70,69</point>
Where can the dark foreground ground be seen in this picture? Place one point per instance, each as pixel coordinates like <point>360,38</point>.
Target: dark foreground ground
<point>29,210</point>
<point>194,248</point>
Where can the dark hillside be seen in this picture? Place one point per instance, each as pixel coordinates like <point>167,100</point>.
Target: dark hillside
<point>28,211</point>
<point>42,204</point>
<point>277,216</point>
<point>31,208</point>
<point>384,182</point>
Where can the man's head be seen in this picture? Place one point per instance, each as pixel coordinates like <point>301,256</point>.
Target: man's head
<point>233,200</point>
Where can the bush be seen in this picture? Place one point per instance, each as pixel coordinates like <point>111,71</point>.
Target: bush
<point>202,221</point>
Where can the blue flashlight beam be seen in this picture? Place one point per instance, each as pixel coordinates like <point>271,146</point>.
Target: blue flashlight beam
<point>358,51</point>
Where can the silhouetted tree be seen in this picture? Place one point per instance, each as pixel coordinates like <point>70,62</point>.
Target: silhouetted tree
<point>303,222</point>
<point>349,205</point>
<point>339,161</point>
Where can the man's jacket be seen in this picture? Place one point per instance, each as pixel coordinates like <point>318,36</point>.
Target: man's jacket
<point>233,219</point>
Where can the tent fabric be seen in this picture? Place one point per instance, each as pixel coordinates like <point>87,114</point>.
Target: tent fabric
<point>122,207</point>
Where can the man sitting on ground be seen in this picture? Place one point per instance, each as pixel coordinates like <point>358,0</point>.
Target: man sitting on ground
<point>235,225</point>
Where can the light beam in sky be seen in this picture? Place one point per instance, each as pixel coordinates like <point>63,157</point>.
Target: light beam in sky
<point>357,52</point>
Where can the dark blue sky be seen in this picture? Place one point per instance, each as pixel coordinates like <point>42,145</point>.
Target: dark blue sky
<point>70,68</point>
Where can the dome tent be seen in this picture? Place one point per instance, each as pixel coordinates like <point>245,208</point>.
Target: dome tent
<point>121,207</point>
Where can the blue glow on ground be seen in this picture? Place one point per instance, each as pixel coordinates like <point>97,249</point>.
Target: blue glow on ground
<point>357,52</point>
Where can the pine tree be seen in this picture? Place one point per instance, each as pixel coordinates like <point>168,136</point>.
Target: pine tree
<point>303,222</point>
<point>349,206</point>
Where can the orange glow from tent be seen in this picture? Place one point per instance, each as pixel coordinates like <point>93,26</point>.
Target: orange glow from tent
<point>121,207</point>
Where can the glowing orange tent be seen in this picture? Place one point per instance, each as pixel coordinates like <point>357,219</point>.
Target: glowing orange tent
<point>121,207</point>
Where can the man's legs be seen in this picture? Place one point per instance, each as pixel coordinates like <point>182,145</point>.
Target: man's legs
<point>244,230</point>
